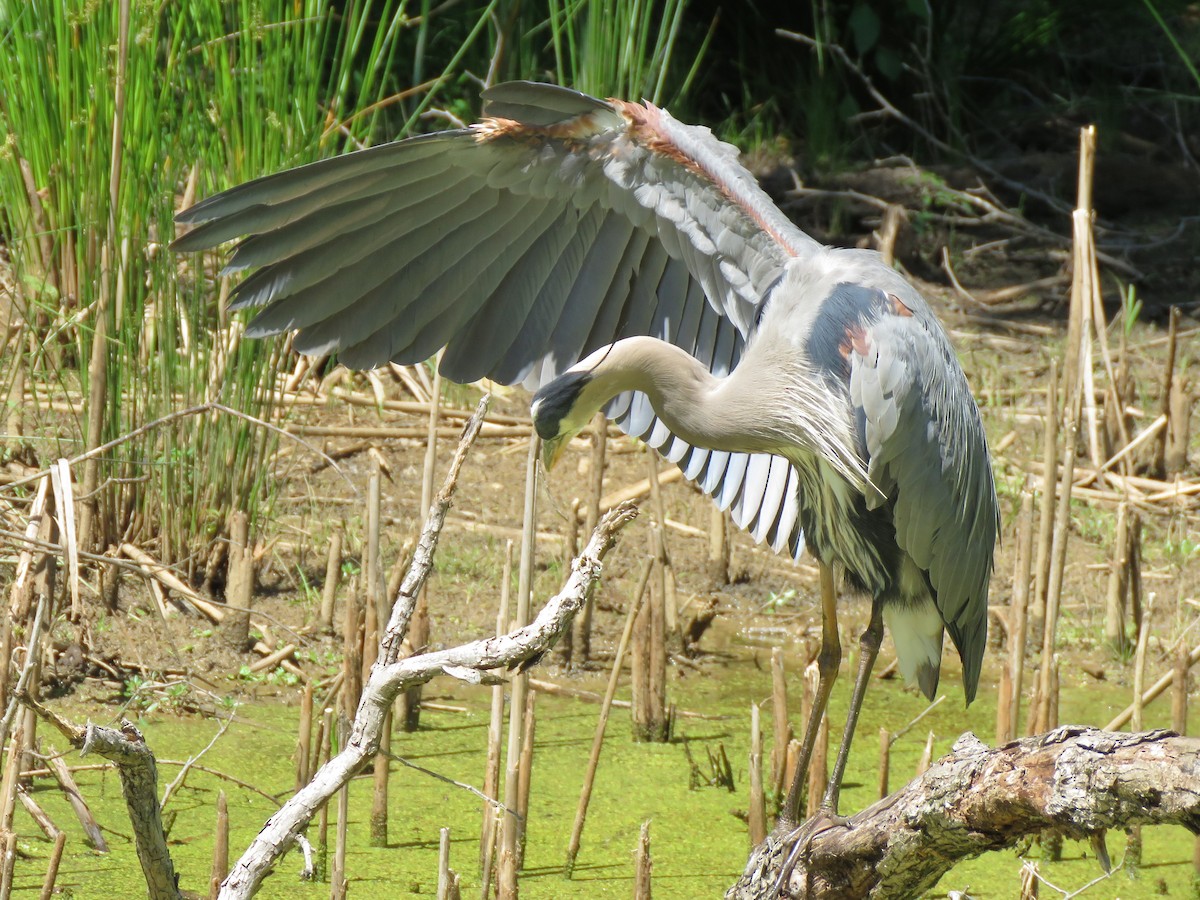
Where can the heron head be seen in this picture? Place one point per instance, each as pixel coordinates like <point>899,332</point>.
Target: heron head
<point>558,414</point>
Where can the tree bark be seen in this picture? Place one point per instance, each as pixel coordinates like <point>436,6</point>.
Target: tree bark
<point>139,783</point>
<point>1072,780</point>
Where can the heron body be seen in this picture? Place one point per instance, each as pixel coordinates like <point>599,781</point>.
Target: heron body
<point>610,257</point>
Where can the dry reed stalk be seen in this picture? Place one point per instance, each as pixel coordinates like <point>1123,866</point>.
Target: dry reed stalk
<point>304,738</point>
<point>926,757</point>
<point>666,574</point>
<point>8,862</point>
<point>1020,611</point>
<point>1118,584</point>
<point>333,572</point>
<point>1058,562</point>
<point>585,794</point>
<point>885,761</point>
<point>1151,693</point>
<point>1045,540</point>
<point>581,638</point>
<point>1139,664</point>
<point>444,874</point>
<point>352,683</point>
<point>1029,880</point>
<point>378,610</point>
<point>87,821</point>
<point>525,774</point>
<point>418,629</point>
<point>757,819</point>
<point>60,842</point>
<point>1179,694</point>
<point>793,756</point>
<point>783,727</point>
<point>239,589</point>
<point>337,879</point>
<point>1004,700</point>
<point>1159,460</point>
<point>510,830</point>
<point>641,881</point>
<point>325,750</point>
<point>6,652</point>
<point>64,504</point>
<point>40,522</point>
<point>491,776</point>
<point>719,546</point>
<point>818,766</point>
<point>565,650</point>
<point>400,433</point>
<point>8,784</point>
<point>220,859</point>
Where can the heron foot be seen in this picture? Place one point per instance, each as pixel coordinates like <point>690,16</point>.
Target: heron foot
<point>800,839</point>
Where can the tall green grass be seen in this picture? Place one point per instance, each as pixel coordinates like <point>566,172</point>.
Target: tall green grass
<point>109,330</point>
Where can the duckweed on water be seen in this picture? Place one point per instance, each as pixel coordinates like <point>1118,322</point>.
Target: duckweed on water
<point>699,843</point>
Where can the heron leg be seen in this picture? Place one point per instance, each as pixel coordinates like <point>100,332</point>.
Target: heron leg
<point>828,662</point>
<point>869,642</point>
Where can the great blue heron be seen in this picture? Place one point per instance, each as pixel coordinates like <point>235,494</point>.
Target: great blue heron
<point>613,258</point>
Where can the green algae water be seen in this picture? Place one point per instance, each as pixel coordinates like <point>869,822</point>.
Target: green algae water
<point>699,841</point>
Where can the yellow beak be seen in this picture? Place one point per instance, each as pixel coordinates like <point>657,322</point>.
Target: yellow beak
<point>553,448</point>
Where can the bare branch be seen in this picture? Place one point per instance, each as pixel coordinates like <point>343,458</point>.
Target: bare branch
<point>388,679</point>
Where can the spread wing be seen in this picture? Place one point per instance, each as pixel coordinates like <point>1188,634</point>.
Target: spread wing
<point>926,451</point>
<point>557,224</point>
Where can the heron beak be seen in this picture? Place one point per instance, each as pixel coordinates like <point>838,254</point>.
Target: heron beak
<point>553,448</point>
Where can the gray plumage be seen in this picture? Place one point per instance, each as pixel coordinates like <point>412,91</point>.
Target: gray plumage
<point>560,224</point>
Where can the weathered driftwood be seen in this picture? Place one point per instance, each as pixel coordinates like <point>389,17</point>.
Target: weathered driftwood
<point>1072,780</point>
<point>139,783</point>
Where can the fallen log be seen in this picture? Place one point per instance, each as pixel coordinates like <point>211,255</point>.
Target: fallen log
<point>1075,781</point>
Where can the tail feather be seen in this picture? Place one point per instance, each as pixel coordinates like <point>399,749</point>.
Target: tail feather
<point>917,633</point>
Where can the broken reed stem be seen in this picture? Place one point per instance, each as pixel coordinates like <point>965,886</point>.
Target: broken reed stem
<point>351,652</point>
<point>1152,693</point>
<point>443,885</point>
<point>418,630</point>
<point>1116,606</point>
<point>1046,522</point>
<point>1020,611</point>
<point>926,756</point>
<point>333,572</point>
<point>337,879</point>
<point>582,638</point>
<point>666,575</point>
<point>510,829</point>
<point>491,776</point>
<point>1058,561</point>
<point>525,773</point>
<point>378,609</point>
<point>783,727</point>
<point>60,842</point>
<point>718,546</point>
<point>589,778</point>
<point>757,819</point>
<point>885,761</point>
<point>1139,664</point>
<point>818,766</point>
<point>304,738</point>
<point>1179,694</point>
<point>1160,446</point>
<point>325,750</point>
<point>220,860</point>
<point>641,885</point>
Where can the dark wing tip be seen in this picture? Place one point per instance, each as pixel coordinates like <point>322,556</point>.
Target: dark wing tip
<point>534,103</point>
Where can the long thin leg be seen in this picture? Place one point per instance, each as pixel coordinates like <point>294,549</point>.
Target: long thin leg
<point>870,641</point>
<point>828,663</point>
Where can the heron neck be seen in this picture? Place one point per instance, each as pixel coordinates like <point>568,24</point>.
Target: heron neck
<point>719,413</point>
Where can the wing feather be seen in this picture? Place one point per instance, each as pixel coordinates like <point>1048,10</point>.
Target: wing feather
<point>554,226</point>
